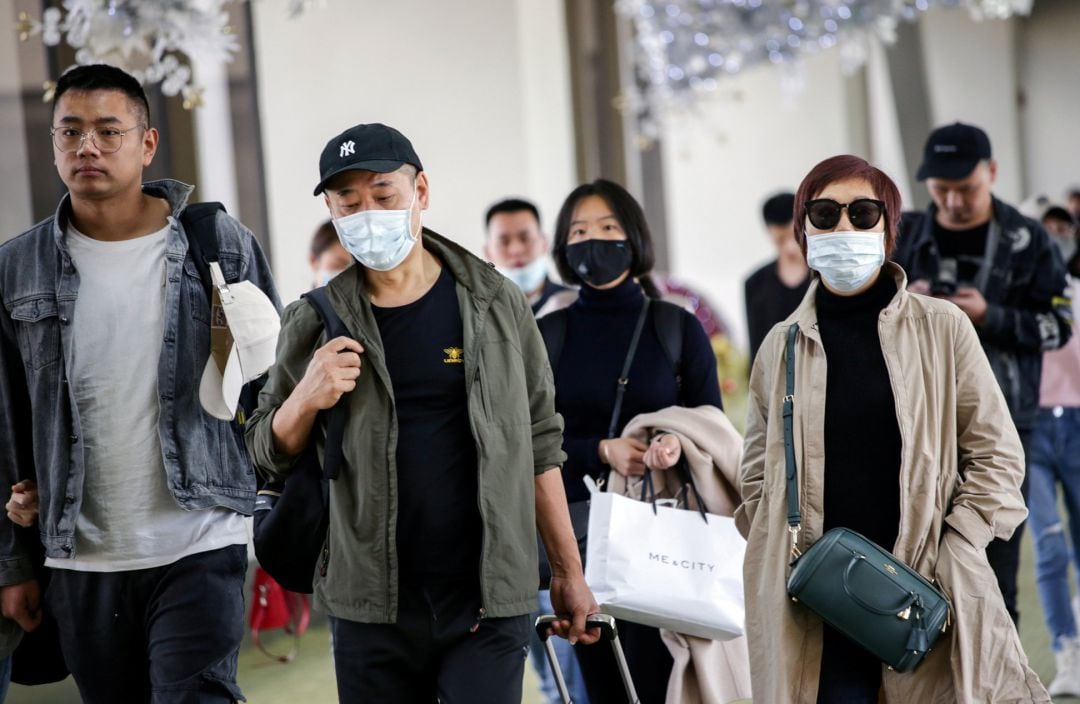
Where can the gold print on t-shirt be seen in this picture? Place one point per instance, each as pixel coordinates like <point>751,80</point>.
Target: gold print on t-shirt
<point>454,355</point>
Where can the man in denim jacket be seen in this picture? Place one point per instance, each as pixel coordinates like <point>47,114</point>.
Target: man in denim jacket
<point>104,334</point>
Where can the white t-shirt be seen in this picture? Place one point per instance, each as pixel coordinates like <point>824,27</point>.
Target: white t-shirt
<point>129,519</point>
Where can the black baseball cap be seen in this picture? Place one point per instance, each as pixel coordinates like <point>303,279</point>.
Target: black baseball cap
<point>953,151</point>
<point>372,147</point>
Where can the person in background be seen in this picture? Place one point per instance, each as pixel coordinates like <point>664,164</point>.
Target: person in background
<point>1053,460</point>
<point>603,245</point>
<point>1073,203</point>
<point>777,288</point>
<point>518,248</point>
<point>326,255</point>
<point>901,434</point>
<point>1002,270</point>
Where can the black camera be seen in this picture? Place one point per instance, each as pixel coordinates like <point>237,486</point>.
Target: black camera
<point>944,283</point>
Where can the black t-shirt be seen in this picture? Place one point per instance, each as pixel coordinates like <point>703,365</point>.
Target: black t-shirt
<point>965,247</point>
<point>439,529</point>
<point>768,301</point>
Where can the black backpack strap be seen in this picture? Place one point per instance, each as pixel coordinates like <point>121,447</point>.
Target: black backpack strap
<point>553,330</point>
<point>199,221</point>
<point>335,417</point>
<point>669,321</point>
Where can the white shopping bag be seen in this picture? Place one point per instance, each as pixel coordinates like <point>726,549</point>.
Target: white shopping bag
<point>669,567</point>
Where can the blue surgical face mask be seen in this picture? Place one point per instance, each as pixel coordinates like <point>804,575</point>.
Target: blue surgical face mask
<point>846,260</point>
<point>378,239</point>
<point>324,276</point>
<point>529,277</point>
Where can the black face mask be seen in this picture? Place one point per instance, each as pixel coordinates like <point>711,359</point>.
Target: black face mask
<point>599,262</point>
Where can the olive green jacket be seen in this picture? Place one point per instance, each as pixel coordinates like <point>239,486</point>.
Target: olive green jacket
<point>518,434</point>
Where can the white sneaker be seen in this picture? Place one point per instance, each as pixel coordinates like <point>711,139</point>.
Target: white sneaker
<point>1067,681</point>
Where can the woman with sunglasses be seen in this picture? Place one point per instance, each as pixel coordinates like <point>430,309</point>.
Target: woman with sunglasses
<point>602,243</point>
<point>901,434</point>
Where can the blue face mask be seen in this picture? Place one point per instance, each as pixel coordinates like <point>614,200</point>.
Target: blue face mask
<point>529,277</point>
<point>846,260</point>
<point>378,239</point>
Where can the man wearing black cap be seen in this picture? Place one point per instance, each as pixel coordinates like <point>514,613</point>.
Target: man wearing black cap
<point>430,565</point>
<point>1001,269</point>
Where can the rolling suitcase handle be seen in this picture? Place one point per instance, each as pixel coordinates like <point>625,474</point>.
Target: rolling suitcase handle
<point>608,632</point>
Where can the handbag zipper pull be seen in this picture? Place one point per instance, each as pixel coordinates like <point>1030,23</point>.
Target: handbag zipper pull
<point>905,614</point>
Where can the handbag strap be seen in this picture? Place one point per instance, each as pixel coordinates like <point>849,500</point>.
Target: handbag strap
<point>794,515</point>
<point>624,378</point>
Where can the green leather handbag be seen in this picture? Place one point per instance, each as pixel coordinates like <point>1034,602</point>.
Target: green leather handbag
<point>855,585</point>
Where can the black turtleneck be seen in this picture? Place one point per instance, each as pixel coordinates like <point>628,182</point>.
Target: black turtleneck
<point>599,325</point>
<point>862,437</point>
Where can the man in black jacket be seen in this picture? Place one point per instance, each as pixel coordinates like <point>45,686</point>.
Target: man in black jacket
<point>1001,269</point>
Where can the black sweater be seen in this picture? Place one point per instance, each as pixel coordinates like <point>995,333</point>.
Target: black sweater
<point>862,436</point>
<point>599,325</point>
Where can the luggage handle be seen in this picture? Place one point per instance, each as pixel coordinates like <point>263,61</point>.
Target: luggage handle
<point>902,611</point>
<point>608,632</point>
<point>606,624</point>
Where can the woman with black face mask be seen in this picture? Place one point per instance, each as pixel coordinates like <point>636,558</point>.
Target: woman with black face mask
<point>602,243</point>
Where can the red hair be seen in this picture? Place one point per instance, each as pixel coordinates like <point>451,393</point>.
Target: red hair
<point>843,168</point>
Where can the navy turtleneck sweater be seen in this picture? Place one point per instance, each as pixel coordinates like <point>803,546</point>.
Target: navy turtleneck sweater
<point>862,437</point>
<point>599,325</point>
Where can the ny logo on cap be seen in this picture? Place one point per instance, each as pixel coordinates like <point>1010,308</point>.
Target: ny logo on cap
<point>347,148</point>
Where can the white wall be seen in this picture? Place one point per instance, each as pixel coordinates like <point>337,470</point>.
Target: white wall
<point>723,161</point>
<point>971,76</point>
<point>480,88</point>
<point>1050,72</point>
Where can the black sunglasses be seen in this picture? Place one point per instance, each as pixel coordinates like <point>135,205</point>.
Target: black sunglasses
<point>863,213</point>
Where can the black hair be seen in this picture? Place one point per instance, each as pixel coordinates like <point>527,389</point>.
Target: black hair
<point>325,236</point>
<point>511,205</point>
<point>1056,212</point>
<point>779,209</point>
<point>630,216</point>
<point>104,77</point>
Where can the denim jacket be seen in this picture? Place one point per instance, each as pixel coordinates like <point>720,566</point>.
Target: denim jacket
<point>205,459</point>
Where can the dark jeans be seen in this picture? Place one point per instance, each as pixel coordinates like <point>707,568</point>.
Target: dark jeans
<point>439,650</point>
<point>849,674</point>
<point>1004,555</point>
<point>165,635</point>
<point>647,657</point>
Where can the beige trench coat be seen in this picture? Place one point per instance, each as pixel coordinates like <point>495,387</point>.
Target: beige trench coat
<point>960,477</point>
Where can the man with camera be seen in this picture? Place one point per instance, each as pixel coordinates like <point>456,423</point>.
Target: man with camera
<point>1001,269</point>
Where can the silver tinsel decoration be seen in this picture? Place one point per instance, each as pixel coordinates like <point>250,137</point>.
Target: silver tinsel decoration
<point>157,41</point>
<point>685,48</point>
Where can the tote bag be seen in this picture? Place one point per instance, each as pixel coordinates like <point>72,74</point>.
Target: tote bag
<point>658,565</point>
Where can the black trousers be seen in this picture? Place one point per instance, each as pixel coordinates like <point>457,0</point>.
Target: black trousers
<point>849,674</point>
<point>439,650</point>
<point>1004,555</point>
<point>165,635</point>
<point>647,657</point>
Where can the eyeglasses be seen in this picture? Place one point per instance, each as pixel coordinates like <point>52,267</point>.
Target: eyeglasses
<point>106,139</point>
<point>863,213</point>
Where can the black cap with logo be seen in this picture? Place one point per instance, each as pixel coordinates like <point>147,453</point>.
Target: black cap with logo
<point>373,147</point>
<point>953,151</point>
